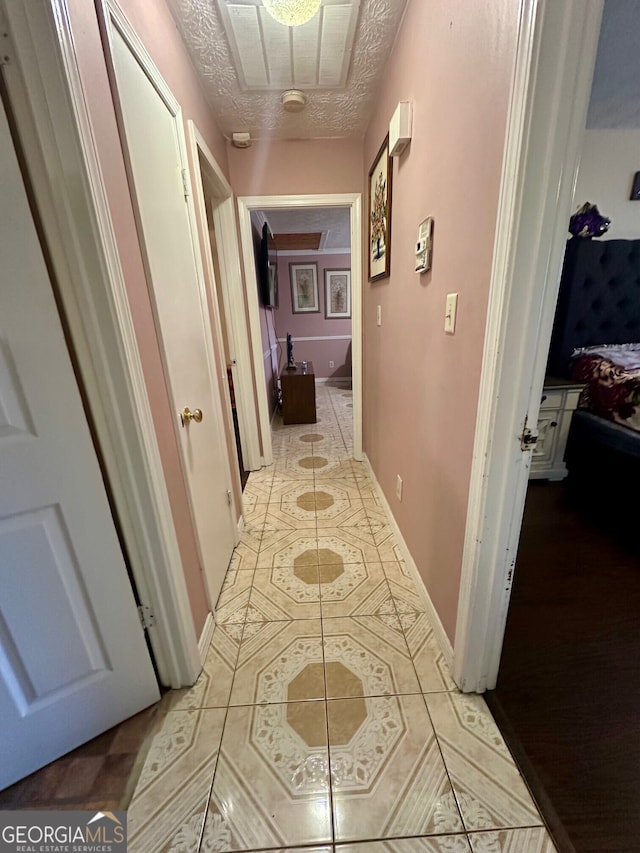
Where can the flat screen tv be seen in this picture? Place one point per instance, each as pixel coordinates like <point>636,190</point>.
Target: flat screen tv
<point>268,269</point>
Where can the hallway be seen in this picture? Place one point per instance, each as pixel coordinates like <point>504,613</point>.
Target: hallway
<point>325,714</point>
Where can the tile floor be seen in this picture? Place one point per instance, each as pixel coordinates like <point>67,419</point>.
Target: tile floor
<point>325,718</point>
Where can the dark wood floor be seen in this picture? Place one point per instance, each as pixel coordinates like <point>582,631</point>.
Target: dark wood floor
<point>101,774</point>
<point>568,693</point>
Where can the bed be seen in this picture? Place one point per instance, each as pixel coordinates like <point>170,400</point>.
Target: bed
<point>596,340</point>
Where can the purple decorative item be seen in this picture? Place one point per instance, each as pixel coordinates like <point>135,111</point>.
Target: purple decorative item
<point>588,222</point>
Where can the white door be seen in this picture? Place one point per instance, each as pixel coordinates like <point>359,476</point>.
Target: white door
<point>73,657</point>
<point>155,143</point>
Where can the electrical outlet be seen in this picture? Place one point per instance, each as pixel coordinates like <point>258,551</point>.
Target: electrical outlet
<point>399,487</point>
<point>332,364</point>
<point>379,315</point>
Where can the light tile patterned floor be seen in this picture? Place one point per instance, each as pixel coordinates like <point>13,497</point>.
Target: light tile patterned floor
<point>325,719</point>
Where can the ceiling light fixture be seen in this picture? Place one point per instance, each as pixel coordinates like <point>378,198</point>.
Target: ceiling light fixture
<point>292,13</point>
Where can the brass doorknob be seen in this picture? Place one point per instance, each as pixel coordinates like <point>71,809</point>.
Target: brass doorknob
<point>186,416</point>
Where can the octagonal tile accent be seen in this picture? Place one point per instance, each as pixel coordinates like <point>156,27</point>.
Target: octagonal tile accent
<point>309,681</point>
<point>259,799</point>
<point>304,570</point>
<point>390,781</point>
<point>271,656</point>
<point>311,436</point>
<point>331,573</point>
<point>299,545</point>
<point>312,462</point>
<point>300,762</point>
<point>304,719</point>
<point>298,583</point>
<point>345,727</point>
<point>377,725</point>
<point>324,500</point>
<point>329,557</point>
<point>335,670</point>
<point>369,672</point>
<point>306,499</point>
<point>290,666</point>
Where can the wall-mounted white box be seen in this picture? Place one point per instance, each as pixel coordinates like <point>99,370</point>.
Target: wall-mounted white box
<point>400,129</point>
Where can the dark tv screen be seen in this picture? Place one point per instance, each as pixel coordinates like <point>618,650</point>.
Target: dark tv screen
<point>268,269</point>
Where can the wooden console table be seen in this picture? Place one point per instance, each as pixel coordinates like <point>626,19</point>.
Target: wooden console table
<point>298,395</point>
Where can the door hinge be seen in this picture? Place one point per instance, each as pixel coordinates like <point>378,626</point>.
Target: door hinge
<point>229,500</point>
<point>147,619</point>
<point>528,439</point>
<point>185,184</point>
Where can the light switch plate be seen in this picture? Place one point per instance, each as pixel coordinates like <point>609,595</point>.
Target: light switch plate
<point>450,313</point>
<point>379,315</point>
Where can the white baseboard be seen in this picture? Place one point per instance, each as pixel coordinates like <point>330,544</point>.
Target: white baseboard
<point>337,380</point>
<point>205,637</point>
<point>432,613</point>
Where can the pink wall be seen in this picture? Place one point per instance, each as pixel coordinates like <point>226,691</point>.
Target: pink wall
<point>157,30</point>
<point>313,325</point>
<point>454,61</point>
<point>300,166</point>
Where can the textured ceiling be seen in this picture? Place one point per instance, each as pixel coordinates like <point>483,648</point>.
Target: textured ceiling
<point>337,111</point>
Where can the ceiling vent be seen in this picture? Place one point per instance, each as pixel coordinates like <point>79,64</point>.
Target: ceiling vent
<point>294,101</point>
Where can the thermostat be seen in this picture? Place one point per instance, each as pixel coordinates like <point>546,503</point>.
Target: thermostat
<point>424,245</point>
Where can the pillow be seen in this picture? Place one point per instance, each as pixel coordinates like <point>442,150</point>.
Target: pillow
<point>622,355</point>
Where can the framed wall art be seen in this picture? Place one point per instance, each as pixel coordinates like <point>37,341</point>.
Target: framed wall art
<point>380,214</point>
<point>304,288</point>
<point>337,294</point>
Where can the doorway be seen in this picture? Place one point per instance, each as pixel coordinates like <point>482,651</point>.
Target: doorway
<point>574,613</point>
<point>265,347</point>
<point>304,299</point>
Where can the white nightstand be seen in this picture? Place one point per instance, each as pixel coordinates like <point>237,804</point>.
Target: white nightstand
<point>559,400</point>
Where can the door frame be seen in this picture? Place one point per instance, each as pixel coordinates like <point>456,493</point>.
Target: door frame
<point>231,289</point>
<point>57,141</point>
<point>353,201</point>
<point>554,65</point>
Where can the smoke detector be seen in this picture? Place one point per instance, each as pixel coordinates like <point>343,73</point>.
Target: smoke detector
<point>294,101</point>
<point>241,140</point>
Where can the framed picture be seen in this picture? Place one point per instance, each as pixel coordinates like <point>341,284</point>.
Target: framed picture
<point>337,294</point>
<point>380,214</point>
<point>304,288</point>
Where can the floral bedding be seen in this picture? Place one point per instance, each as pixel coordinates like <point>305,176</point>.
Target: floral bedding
<point>612,377</point>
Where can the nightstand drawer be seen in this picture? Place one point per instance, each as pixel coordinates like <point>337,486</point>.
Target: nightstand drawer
<point>552,398</point>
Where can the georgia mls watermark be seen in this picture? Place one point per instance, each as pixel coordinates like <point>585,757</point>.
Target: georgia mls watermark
<point>63,832</point>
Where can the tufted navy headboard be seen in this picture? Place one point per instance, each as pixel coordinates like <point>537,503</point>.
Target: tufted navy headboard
<point>599,298</point>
